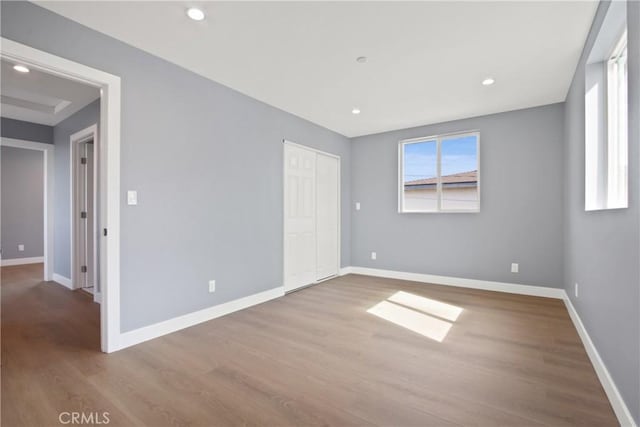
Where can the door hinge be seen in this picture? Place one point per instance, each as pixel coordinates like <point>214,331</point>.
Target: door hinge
<point>83,269</point>
<point>83,160</point>
<point>104,231</point>
<point>83,215</point>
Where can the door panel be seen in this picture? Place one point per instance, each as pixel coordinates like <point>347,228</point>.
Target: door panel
<point>328,216</point>
<point>299,217</point>
<point>80,206</point>
<point>84,215</point>
<point>90,222</point>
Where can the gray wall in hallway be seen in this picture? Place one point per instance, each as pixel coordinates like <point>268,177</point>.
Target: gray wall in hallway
<point>193,149</point>
<point>22,202</point>
<point>521,204</point>
<point>18,129</point>
<point>89,115</point>
<point>602,249</point>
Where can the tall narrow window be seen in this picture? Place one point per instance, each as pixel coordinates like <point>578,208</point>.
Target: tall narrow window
<point>606,115</point>
<point>440,174</point>
<point>617,126</point>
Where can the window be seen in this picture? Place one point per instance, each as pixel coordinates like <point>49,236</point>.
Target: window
<point>606,115</point>
<point>617,126</point>
<point>440,174</point>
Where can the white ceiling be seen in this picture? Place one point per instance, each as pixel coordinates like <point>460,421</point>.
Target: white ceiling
<point>39,97</point>
<point>425,59</point>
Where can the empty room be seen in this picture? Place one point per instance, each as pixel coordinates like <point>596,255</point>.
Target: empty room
<point>307,213</point>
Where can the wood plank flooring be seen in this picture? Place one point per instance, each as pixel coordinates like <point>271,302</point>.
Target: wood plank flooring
<point>313,357</point>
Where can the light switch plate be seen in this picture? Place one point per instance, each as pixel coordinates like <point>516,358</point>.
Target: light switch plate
<point>20,248</point>
<point>132,197</point>
<point>515,267</point>
<point>357,206</point>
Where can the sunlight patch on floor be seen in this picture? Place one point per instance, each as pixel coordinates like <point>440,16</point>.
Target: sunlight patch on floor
<point>426,305</point>
<point>418,314</point>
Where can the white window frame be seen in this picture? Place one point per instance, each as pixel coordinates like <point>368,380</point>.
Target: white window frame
<point>606,132</point>
<point>438,139</point>
<point>617,129</point>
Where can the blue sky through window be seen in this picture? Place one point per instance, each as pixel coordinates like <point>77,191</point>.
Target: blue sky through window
<point>459,154</point>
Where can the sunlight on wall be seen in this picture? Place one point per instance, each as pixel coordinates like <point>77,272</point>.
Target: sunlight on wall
<point>417,313</point>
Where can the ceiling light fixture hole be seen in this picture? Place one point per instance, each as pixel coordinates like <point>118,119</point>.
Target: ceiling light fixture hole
<point>195,14</point>
<point>21,68</point>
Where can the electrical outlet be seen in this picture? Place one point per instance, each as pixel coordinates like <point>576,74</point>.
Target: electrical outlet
<point>374,255</point>
<point>515,267</point>
<point>576,290</point>
<point>212,286</point>
<point>20,248</point>
<point>357,206</point>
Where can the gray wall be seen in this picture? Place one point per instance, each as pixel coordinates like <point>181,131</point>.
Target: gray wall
<point>520,221</point>
<point>193,149</point>
<point>18,129</point>
<point>89,115</point>
<point>602,250</point>
<point>22,202</point>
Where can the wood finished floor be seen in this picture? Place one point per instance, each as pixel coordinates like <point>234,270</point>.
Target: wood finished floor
<point>314,357</point>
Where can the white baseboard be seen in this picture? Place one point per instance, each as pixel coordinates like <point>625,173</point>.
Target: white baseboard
<point>21,261</point>
<point>64,281</point>
<point>146,333</point>
<point>345,270</point>
<point>619,407</point>
<point>512,288</point>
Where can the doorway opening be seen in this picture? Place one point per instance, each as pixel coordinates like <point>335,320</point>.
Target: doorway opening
<point>107,206</point>
<point>84,211</point>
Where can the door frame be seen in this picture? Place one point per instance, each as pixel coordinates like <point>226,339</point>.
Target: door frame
<point>286,142</point>
<point>109,182</point>
<point>48,152</point>
<point>75,140</point>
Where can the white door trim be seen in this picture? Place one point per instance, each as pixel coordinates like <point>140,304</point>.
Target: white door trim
<point>47,171</point>
<point>109,155</point>
<point>83,135</point>
<point>284,226</point>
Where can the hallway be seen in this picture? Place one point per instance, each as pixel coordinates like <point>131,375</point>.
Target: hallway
<point>47,331</point>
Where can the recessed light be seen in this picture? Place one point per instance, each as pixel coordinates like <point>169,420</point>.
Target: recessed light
<point>488,81</point>
<point>21,68</point>
<point>195,14</point>
<point>361,59</point>
<point>356,111</point>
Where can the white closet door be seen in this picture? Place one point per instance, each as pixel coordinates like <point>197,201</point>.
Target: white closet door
<point>328,219</point>
<point>299,217</point>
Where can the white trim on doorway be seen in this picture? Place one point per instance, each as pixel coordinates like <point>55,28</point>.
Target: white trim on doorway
<point>48,168</point>
<point>64,281</point>
<point>109,154</point>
